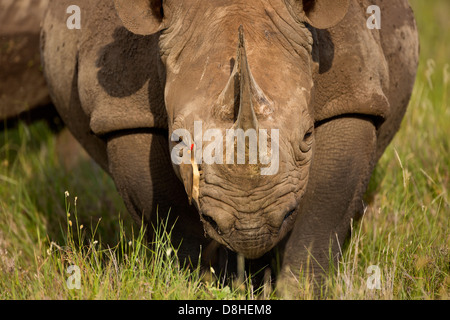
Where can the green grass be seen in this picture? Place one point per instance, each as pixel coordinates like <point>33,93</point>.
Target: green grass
<point>405,230</point>
<point>45,229</point>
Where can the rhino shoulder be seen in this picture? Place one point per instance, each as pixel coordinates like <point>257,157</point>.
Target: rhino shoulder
<point>356,68</point>
<point>120,80</point>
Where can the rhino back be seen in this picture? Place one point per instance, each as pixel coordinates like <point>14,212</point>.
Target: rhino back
<point>22,85</point>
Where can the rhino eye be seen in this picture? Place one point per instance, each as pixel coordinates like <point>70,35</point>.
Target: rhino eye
<point>306,143</point>
<point>308,135</point>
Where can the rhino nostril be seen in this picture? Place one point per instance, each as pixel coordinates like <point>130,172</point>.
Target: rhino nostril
<point>212,223</point>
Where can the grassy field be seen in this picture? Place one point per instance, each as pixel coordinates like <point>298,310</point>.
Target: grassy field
<point>52,217</point>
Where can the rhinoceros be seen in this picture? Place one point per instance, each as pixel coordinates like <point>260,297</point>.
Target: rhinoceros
<point>22,84</point>
<point>323,89</point>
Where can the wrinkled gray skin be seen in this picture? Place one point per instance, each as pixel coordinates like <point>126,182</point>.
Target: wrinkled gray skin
<point>336,90</point>
<point>22,84</point>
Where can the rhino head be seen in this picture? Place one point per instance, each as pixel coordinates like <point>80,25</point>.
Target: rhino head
<point>239,96</point>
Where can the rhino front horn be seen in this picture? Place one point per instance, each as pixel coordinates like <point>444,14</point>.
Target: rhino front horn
<point>242,99</point>
<point>246,117</point>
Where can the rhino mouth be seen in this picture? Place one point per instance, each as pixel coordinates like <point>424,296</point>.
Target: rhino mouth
<point>252,242</point>
<point>252,216</point>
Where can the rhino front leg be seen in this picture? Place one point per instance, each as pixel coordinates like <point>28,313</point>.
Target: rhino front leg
<point>342,165</point>
<point>139,162</point>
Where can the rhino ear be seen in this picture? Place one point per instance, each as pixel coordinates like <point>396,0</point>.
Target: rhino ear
<point>140,16</point>
<point>321,14</point>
